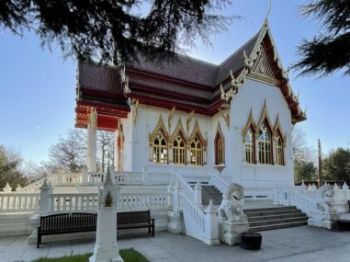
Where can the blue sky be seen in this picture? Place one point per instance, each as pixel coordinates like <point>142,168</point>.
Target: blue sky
<point>37,85</point>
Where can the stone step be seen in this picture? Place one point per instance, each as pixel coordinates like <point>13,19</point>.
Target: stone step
<point>277,226</point>
<point>270,212</point>
<point>268,209</point>
<point>270,218</point>
<point>210,192</point>
<point>278,221</point>
<point>273,217</point>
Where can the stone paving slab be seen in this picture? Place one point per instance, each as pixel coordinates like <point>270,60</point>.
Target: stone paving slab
<point>291,245</point>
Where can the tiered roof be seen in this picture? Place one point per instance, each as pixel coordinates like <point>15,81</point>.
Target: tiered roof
<point>186,83</point>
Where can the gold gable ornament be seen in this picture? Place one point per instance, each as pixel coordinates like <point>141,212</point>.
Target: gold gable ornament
<point>250,124</point>
<point>264,116</point>
<point>171,117</point>
<point>189,120</point>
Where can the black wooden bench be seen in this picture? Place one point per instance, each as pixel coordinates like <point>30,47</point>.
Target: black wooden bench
<point>86,222</point>
<point>66,223</point>
<point>136,219</point>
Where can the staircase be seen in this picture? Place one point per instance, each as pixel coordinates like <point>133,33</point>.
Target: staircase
<point>270,218</point>
<point>209,192</point>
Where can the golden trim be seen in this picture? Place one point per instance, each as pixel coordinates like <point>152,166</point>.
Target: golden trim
<point>264,116</point>
<point>189,120</point>
<point>159,127</point>
<point>178,129</point>
<point>221,134</point>
<point>277,130</point>
<point>250,124</point>
<point>171,117</point>
<point>197,131</point>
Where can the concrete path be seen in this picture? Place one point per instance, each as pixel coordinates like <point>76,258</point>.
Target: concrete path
<point>293,244</point>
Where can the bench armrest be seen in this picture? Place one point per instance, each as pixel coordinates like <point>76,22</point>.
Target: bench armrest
<point>152,221</point>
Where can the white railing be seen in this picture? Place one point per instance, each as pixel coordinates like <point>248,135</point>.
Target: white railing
<point>80,202</point>
<point>298,198</point>
<point>141,201</point>
<point>184,187</point>
<point>131,178</point>
<point>31,188</point>
<point>218,180</point>
<point>194,217</point>
<point>19,202</point>
<point>73,202</point>
<point>184,198</point>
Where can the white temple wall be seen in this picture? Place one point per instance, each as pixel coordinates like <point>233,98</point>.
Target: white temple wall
<point>146,122</point>
<point>252,96</point>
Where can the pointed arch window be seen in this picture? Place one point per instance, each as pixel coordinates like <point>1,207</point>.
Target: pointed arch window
<point>179,149</point>
<point>265,144</point>
<point>249,145</point>
<point>196,151</point>
<point>160,149</point>
<point>279,146</point>
<point>219,144</point>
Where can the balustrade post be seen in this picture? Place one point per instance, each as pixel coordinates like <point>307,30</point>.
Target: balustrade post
<point>198,194</point>
<point>211,224</point>
<point>45,197</point>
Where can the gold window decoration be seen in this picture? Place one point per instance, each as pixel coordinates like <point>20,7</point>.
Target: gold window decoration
<point>179,150</point>
<point>196,151</point>
<point>265,144</point>
<point>158,143</point>
<point>219,144</point>
<point>160,149</point>
<point>249,146</point>
<point>279,143</point>
<point>279,151</point>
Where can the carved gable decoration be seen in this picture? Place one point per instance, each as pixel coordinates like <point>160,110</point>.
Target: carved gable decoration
<point>265,66</point>
<point>197,132</point>
<point>178,131</point>
<point>278,129</point>
<point>262,65</point>
<point>160,127</point>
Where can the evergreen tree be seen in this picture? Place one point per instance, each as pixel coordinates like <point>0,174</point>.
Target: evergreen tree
<point>330,50</point>
<point>115,31</point>
<point>10,168</point>
<point>337,165</point>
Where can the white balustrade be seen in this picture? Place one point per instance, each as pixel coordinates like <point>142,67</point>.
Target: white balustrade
<point>74,202</point>
<point>218,180</point>
<point>19,202</point>
<point>142,201</point>
<point>184,198</point>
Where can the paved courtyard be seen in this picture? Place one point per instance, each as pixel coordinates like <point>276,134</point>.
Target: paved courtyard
<point>292,244</point>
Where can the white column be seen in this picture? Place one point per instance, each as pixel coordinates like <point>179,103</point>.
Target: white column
<point>92,129</point>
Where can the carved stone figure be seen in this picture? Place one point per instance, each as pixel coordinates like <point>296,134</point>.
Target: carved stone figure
<point>233,221</point>
<point>326,198</point>
<point>231,207</point>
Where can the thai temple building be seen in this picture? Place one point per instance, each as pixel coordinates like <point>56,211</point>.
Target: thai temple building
<point>193,116</point>
<point>206,148</point>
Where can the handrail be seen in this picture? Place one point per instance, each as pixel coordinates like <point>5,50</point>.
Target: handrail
<point>218,180</point>
<point>185,199</point>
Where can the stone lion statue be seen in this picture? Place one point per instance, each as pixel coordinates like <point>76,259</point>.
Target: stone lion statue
<point>231,207</point>
<point>326,198</point>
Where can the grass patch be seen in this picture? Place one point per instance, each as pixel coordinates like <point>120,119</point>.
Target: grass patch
<point>129,255</point>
